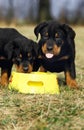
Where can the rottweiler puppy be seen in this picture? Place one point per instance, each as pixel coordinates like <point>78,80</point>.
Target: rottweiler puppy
<point>15,49</point>
<point>57,49</point>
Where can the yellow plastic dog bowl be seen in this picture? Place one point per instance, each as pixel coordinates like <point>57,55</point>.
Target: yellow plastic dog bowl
<point>34,83</point>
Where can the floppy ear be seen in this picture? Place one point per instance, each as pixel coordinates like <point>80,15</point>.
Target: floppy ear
<point>70,32</point>
<point>10,49</point>
<point>38,28</point>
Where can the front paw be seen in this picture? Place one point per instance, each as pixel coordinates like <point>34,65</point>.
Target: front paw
<point>72,84</point>
<point>70,81</point>
<point>42,69</point>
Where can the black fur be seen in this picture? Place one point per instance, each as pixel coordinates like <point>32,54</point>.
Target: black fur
<point>57,49</point>
<point>15,49</point>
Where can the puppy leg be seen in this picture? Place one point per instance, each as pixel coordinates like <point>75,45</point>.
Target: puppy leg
<point>5,74</point>
<point>70,81</point>
<point>6,66</point>
<point>4,78</point>
<point>70,75</point>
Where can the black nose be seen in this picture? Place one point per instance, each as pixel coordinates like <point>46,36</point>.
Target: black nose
<point>25,68</point>
<point>25,65</point>
<point>49,48</point>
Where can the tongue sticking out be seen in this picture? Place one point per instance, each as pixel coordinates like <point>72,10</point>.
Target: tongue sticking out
<point>49,55</point>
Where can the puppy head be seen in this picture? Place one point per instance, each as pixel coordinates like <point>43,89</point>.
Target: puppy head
<point>23,53</point>
<point>54,38</point>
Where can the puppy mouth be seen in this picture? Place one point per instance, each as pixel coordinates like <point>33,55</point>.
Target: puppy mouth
<point>51,51</point>
<point>49,55</point>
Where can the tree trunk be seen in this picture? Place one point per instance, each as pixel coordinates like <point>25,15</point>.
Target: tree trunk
<point>43,10</point>
<point>10,13</point>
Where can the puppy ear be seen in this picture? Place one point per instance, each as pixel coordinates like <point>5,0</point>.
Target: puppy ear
<point>9,50</point>
<point>70,32</point>
<point>39,27</point>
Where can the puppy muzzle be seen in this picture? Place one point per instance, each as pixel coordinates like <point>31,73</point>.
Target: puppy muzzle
<point>25,65</point>
<point>50,45</point>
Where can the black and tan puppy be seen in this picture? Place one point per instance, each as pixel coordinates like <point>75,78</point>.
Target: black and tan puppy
<point>57,49</point>
<point>15,49</point>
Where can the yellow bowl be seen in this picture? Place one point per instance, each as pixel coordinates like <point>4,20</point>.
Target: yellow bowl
<point>34,83</point>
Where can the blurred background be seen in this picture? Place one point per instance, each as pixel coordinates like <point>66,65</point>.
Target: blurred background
<point>34,11</point>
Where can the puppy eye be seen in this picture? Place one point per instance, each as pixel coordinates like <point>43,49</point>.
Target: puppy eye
<point>28,54</point>
<point>45,36</point>
<point>18,59</point>
<point>30,58</point>
<point>59,42</point>
<point>20,56</point>
<point>56,35</point>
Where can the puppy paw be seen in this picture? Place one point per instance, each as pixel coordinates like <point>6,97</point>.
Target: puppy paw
<point>42,69</point>
<point>72,84</point>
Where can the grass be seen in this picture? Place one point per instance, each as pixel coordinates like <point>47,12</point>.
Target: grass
<point>46,112</point>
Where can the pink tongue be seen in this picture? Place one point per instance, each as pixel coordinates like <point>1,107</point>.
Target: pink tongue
<point>49,55</point>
